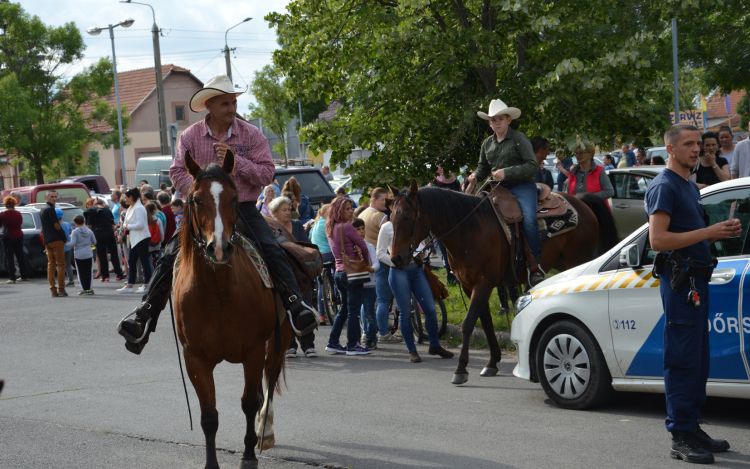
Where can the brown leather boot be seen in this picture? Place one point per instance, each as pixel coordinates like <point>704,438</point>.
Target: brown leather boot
<point>414,357</point>
<point>440,351</point>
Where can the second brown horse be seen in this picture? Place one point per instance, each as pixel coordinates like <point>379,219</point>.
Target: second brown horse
<point>479,252</point>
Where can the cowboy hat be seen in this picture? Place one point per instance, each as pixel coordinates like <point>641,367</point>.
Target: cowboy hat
<point>216,85</point>
<point>499,107</point>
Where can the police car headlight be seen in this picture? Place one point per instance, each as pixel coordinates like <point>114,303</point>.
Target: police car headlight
<point>522,302</point>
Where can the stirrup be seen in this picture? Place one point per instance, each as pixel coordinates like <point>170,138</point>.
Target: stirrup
<point>539,269</point>
<point>312,310</point>
<point>130,338</point>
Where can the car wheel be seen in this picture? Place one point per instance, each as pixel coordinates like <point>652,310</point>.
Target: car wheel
<point>571,367</point>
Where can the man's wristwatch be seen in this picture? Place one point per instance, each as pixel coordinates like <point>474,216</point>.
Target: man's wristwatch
<point>715,166</point>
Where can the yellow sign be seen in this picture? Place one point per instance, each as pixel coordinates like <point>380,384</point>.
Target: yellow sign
<point>694,117</point>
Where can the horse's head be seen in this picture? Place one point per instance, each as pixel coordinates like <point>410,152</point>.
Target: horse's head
<point>409,228</point>
<point>212,206</point>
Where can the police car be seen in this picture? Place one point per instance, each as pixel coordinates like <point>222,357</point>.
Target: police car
<point>599,327</point>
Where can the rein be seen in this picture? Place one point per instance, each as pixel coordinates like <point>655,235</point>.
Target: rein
<point>197,234</point>
<point>435,239</point>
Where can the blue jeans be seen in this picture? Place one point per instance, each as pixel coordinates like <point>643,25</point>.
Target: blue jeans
<point>385,295</point>
<point>351,302</point>
<point>369,322</point>
<point>525,192</point>
<point>404,283</point>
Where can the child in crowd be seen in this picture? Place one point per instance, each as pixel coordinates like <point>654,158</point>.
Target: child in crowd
<point>177,207</point>
<point>82,239</point>
<point>68,250</point>
<point>369,321</point>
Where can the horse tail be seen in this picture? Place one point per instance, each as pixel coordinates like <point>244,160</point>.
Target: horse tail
<point>607,229</point>
<point>275,368</point>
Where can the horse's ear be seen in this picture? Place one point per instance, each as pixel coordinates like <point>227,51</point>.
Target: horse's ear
<point>394,191</point>
<point>413,189</point>
<point>228,163</point>
<point>192,167</point>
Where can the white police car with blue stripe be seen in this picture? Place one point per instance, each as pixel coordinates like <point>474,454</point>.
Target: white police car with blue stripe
<point>600,326</point>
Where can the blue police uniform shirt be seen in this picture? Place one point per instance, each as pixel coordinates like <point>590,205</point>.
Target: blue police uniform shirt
<point>682,200</point>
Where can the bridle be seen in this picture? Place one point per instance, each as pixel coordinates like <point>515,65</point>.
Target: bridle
<point>197,234</point>
<point>435,239</point>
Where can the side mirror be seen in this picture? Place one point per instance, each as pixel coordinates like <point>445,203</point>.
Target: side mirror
<point>630,257</point>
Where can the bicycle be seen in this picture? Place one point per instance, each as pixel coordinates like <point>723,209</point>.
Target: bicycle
<point>331,297</point>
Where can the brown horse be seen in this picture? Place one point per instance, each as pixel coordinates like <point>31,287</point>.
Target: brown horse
<point>479,252</point>
<point>222,309</point>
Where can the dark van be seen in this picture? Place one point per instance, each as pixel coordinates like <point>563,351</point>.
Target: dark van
<point>73,193</point>
<point>311,181</point>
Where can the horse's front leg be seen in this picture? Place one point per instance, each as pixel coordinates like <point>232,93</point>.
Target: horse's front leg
<point>251,400</point>
<point>201,373</point>
<point>490,369</point>
<point>479,299</point>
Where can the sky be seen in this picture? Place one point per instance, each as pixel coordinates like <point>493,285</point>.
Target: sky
<point>193,34</point>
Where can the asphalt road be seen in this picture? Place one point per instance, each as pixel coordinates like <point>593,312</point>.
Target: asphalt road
<point>75,398</point>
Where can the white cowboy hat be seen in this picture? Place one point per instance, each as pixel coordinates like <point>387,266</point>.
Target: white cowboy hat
<point>216,85</point>
<point>499,107</point>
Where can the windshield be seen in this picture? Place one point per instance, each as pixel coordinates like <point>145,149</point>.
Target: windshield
<point>312,183</point>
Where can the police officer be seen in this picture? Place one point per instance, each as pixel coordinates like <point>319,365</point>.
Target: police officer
<point>508,155</point>
<point>677,226</point>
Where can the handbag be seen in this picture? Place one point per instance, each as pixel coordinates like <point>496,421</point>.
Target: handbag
<point>355,268</point>
<point>439,292</point>
<point>3,229</point>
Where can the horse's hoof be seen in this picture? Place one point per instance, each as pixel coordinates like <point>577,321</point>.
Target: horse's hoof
<point>248,464</point>
<point>460,378</point>
<point>268,442</point>
<point>488,372</point>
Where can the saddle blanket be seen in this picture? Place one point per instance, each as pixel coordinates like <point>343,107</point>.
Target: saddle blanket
<point>251,251</point>
<point>548,227</point>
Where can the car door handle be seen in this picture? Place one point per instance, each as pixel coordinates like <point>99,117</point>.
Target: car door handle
<point>622,206</point>
<point>722,276</point>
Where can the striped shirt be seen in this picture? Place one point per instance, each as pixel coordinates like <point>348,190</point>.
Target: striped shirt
<point>253,163</point>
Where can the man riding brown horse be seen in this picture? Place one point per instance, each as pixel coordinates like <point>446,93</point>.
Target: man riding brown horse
<point>508,155</point>
<point>208,141</point>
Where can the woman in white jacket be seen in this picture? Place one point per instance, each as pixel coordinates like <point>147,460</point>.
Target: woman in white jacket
<point>136,224</point>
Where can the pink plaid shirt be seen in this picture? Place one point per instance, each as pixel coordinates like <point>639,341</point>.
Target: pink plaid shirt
<point>253,163</point>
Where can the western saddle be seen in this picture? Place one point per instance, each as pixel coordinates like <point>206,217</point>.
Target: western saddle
<point>547,205</point>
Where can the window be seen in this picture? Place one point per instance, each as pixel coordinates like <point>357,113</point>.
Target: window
<point>27,222</point>
<point>717,208</point>
<point>630,186</point>
<point>179,113</point>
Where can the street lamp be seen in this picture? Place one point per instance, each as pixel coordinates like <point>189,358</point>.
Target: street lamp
<point>226,48</point>
<point>163,139</point>
<point>95,31</point>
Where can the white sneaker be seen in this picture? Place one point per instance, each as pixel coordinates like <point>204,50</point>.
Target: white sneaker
<point>142,289</point>
<point>309,353</point>
<point>389,338</point>
<point>125,289</point>
<point>363,339</point>
<point>291,353</point>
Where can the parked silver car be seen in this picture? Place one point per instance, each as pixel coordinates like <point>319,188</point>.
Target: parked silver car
<point>630,186</point>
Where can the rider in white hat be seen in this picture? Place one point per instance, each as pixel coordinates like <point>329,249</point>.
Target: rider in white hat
<point>208,141</point>
<point>508,156</point>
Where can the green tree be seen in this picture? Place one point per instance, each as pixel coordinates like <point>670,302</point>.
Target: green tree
<point>273,104</point>
<point>743,109</point>
<point>717,39</point>
<point>413,74</point>
<point>42,123</point>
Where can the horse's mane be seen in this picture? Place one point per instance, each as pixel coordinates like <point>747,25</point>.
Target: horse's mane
<point>451,207</point>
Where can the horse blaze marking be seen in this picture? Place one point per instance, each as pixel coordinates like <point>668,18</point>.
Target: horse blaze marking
<point>216,189</point>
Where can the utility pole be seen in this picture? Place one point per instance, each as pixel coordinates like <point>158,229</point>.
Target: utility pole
<point>227,50</point>
<point>163,137</point>
<point>675,72</point>
<point>299,136</point>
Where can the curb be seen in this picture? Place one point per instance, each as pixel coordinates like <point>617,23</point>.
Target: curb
<point>451,330</point>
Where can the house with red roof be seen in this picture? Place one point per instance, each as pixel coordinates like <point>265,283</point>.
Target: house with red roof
<point>717,115</point>
<point>138,92</point>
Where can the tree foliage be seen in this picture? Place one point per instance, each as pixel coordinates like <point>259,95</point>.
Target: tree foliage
<point>273,104</point>
<point>413,73</point>
<point>717,39</point>
<point>41,119</point>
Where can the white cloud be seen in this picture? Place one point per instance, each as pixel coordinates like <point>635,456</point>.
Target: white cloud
<point>193,34</point>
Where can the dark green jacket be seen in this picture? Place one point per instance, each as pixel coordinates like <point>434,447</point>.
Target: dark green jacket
<point>513,154</point>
